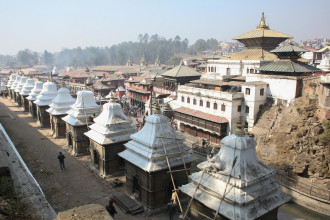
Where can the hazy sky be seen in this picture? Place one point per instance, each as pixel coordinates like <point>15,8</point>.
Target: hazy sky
<point>57,24</point>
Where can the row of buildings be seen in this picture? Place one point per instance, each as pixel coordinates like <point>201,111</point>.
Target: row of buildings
<point>155,160</point>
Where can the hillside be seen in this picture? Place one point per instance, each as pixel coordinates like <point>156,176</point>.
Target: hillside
<point>293,139</point>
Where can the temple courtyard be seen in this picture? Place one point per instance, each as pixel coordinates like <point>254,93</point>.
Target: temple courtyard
<point>78,184</point>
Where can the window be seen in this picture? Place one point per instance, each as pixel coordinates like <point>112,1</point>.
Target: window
<point>194,101</point>
<point>247,109</point>
<point>200,103</point>
<point>239,108</point>
<point>188,100</point>
<point>228,71</point>
<point>207,104</point>
<point>182,99</point>
<point>262,91</point>
<point>223,107</point>
<point>251,70</point>
<point>247,70</point>
<point>247,91</point>
<point>215,106</point>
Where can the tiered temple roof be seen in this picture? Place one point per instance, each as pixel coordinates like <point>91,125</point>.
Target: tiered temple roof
<point>236,183</point>
<point>47,94</point>
<point>181,71</point>
<point>112,125</point>
<point>35,91</point>
<point>11,80</point>
<point>288,61</point>
<point>27,87</point>
<point>146,149</point>
<point>61,103</point>
<point>262,37</point>
<point>81,110</point>
<point>15,83</point>
<point>21,84</point>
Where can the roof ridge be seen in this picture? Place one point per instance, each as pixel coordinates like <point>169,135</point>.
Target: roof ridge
<point>178,69</point>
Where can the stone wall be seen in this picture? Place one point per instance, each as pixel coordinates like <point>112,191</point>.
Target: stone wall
<point>43,116</point>
<point>58,126</point>
<point>32,109</point>
<point>155,189</point>
<point>77,142</point>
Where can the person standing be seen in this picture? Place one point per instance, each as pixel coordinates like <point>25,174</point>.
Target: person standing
<point>171,208</point>
<point>61,158</point>
<point>111,209</point>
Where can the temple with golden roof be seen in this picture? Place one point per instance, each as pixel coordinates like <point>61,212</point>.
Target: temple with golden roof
<point>259,42</point>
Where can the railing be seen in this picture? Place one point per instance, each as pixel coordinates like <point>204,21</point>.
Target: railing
<point>295,183</point>
<point>164,91</point>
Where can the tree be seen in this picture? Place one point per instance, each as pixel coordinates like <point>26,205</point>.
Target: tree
<point>146,38</point>
<point>47,58</point>
<point>27,57</point>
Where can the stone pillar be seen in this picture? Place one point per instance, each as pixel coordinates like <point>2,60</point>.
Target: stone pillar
<point>25,103</point>
<point>58,126</point>
<point>32,109</point>
<point>78,143</point>
<point>43,116</point>
<point>18,99</point>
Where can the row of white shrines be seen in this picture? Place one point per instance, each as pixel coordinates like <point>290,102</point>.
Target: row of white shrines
<point>233,184</point>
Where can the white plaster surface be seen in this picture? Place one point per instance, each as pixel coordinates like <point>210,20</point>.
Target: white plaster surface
<point>14,84</point>
<point>27,87</point>
<point>61,103</point>
<point>111,126</point>
<point>47,94</point>
<point>11,80</point>
<point>81,110</point>
<point>35,91</point>
<point>146,149</point>
<point>20,84</point>
<point>250,193</point>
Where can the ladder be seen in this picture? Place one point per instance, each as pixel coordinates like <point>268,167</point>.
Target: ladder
<point>221,199</point>
<point>170,171</point>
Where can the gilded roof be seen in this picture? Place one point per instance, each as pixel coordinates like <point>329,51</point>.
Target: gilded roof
<point>262,30</point>
<point>288,66</point>
<point>181,71</point>
<point>251,54</point>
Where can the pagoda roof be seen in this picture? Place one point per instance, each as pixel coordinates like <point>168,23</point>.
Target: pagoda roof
<point>111,126</point>
<point>61,103</point>
<point>81,110</point>
<point>181,71</point>
<point>27,87</point>
<point>236,184</point>
<point>251,54</point>
<point>35,91</point>
<point>288,66</point>
<point>146,149</point>
<point>21,84</point>
<point>262,31</point>
<point>289,48</point>
<point>47,94</point>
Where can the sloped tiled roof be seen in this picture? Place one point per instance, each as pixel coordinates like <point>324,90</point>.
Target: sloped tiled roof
<point>289,48</point>
<point>251,54</point>
<point>202,115</point>
<point>262,32</point>
<point>288,66</point>
<point>181,71</point>
<point>99,85</point>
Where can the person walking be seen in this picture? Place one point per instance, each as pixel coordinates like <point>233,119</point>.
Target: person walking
<point>61,158</point>
<point>111,209</point>
<point>171,208</point>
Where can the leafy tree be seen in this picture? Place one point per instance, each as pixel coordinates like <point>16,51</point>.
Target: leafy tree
<point>27,58</point>
<point>47,58</point>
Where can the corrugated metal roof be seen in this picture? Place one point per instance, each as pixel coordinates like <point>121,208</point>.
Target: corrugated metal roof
<point>251,54</point>
<point>288,66</point>
<point>202,115</point>
<point>289,48</point>
<point>181,71</point>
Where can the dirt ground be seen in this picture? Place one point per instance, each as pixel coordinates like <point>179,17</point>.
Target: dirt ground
<point>77,185</point>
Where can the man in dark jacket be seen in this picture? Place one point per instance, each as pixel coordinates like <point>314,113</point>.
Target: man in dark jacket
<point>61,158</point>
<point>111,209</point>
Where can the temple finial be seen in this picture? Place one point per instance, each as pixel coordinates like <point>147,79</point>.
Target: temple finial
<point>263,21</point>
<point>112,99</point>
<point>239,131</point>
<point>63,84</point>
<point>85,84</point>
<point>48,80</point>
